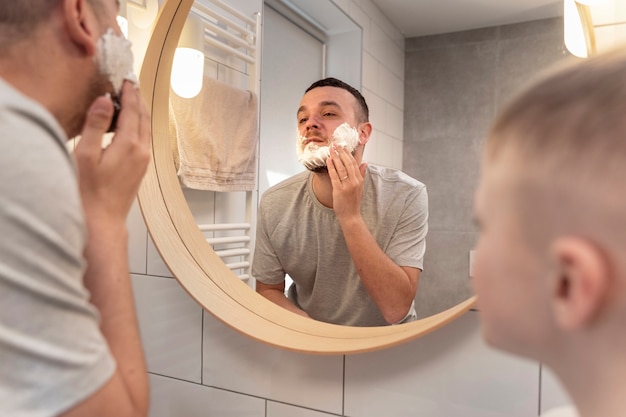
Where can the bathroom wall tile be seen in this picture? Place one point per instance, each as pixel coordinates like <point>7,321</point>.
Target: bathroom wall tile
<point>450,90</point>
<point>174,398</point>
<point>396,153</point>
<point>383,22</point>
<point>449,372</point>
<point>391,87</point>
<point>378,41</point>
<point>449,166</point>
<point>155,264</point>
<point>394,121</point>
<point>170,323</point>
<point>285,410</point>
<point>544,27</point>
<point>370,72</point>
<point>363,20</point>
<point>395,63</point>
<point>137,240</point>
<point>523,58</point>
<point>235,362</point>
<point>384,150</point>
<point>445,280</point>
<point>202,204</point>
<point>552,392</point>
<point>452,39</point>
<point>377,107</point>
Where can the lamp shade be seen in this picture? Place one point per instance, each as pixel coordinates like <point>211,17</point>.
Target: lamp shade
<point>593,26</point>
<point>188,65</point>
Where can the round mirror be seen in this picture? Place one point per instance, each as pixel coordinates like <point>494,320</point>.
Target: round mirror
<point>193,262</point>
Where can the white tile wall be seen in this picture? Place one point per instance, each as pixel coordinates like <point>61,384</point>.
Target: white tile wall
<point>286,410</point>
<point>447,373</point>
<point>383,81</point>
<point>137,238</point>
<point>173,398</point>
<point>170,323</point>
<point>155,265</point>
<point>236,362</point>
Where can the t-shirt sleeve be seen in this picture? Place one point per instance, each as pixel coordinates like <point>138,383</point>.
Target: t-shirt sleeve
<point>408,242</point>
<point>266,266</point>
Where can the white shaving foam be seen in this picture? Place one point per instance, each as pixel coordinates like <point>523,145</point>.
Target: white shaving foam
<point>115,58</point>
<point>314,156</point>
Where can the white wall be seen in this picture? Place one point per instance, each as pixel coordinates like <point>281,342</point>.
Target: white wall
<point>200,367</point>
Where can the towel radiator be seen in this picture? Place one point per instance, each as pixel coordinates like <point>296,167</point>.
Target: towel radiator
<point>232,42</point>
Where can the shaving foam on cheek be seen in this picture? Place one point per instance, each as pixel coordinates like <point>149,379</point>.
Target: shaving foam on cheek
<point>115,59</point>
<point>346,136</point>
<point>315,156</point>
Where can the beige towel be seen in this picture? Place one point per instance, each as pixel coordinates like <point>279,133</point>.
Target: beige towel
<point>215,136</point>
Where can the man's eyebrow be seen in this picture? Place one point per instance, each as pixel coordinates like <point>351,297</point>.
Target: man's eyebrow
<point>322,104</point>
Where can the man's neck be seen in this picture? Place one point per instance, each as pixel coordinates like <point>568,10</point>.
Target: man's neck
<point>323,188</point>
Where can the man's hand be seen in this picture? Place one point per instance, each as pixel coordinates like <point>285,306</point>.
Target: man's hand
<point>110,178</point>
<point>347,179</point>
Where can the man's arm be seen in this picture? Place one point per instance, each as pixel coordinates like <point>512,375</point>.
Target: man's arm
<point>390,286</point>
<point>109,181</point>
<point>276,294</point>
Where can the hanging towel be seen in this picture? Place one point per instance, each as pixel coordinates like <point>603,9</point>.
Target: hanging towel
<point>215,136</point>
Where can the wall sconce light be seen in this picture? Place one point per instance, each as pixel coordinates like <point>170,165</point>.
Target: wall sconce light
<point>188,65</point>
<point>593,26</point>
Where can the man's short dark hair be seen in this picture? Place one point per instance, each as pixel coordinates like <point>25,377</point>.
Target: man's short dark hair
<point>363,112</point>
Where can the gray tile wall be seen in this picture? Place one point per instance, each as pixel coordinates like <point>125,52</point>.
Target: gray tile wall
<point>455,83</point>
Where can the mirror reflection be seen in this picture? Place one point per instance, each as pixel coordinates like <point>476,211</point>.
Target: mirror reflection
<point>309,261</point>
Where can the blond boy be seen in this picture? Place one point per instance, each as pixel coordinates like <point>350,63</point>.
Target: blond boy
<point>550,270</point>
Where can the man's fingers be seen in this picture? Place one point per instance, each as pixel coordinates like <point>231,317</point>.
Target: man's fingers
<point>97,123</point>
<point>128,121</point>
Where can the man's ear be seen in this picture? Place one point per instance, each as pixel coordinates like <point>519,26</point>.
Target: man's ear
<point>81,24</point>
<point>581,281</point>
<point>365,130</point>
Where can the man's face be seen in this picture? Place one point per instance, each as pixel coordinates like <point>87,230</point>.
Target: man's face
<point>322,110</point>
<point>511,282</point>
<point>103,19</point>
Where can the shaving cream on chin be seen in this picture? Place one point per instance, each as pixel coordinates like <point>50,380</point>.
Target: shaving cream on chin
<point>115,59</point>
<point>314,156</point>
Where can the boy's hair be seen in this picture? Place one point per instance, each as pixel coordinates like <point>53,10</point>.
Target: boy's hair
<point>567,138</point>
<point>362,112</point>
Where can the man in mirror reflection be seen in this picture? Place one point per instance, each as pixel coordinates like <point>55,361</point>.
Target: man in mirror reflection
<point>351,235</point>
<point>550,270</point>
<point>69,340</point>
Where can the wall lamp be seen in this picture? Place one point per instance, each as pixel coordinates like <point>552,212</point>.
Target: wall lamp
<point>593,26</point>
<point>188,65</point>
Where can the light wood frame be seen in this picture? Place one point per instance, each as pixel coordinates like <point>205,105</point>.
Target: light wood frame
<point>191,259</point>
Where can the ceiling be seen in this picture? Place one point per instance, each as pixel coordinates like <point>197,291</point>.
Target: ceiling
<point>428,17</point>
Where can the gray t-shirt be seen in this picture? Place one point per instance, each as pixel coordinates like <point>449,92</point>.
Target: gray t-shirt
<point>298,236</point>
<point>52,353</point>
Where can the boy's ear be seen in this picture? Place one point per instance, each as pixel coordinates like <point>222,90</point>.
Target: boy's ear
<point>81,24</point>
<point>581,282</point>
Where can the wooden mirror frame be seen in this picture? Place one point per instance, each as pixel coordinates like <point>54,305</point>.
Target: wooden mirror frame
<point>192,260</point>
